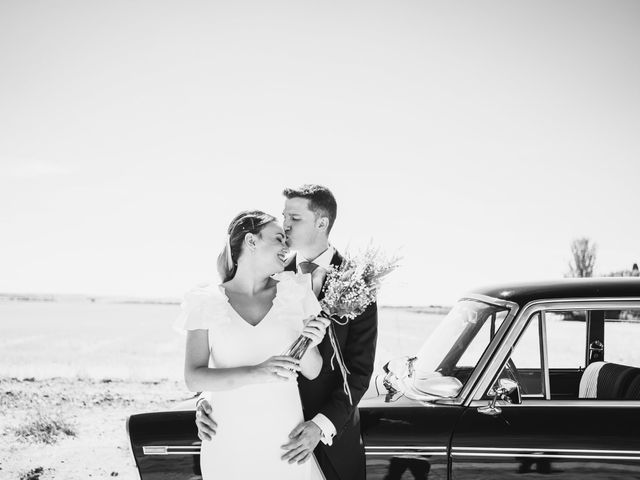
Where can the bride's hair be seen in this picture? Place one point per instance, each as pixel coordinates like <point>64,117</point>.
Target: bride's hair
<point>252,221</point>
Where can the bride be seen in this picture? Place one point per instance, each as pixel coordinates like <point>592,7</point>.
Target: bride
<point>235,331</point>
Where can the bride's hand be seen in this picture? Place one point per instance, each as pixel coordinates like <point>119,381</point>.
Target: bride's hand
<point>277,369</point>
<point>315,329</point>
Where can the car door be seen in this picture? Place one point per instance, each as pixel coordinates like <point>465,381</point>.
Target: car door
<point>553,431</point>
<point>165,445</point>
<point>407,431</point>
<point>407,439</point>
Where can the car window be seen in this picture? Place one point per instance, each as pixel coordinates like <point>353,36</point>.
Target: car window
<point>525,365</point>
<point>476,348</point>
<point>566,333</point>
<point>621,337</point>
<point>526,352</point>
<point>526,359</point>
<point>566,355</point>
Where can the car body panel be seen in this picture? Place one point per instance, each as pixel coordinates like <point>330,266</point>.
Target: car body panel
<point>407,436</point>
<point>165,445</point>
<point>564,442</point>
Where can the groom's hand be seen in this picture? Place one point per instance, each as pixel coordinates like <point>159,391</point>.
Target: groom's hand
<point>206,424</point>
<point>304,439</point>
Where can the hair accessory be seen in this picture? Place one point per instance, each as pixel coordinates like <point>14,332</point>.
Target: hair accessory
<point>229,257</point>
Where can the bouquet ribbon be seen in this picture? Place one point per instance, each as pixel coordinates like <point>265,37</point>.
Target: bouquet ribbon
<point>300,346</point>
<point>337,356</point>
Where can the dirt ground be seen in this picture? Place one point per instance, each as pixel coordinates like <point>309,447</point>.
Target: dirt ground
<point>85,421</point>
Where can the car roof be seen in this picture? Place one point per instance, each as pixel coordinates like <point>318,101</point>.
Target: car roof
<point>523,293</point>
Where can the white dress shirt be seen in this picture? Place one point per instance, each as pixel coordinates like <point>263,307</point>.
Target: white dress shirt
<point>323,261</point>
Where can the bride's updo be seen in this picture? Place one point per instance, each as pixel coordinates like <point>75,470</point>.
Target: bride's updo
<point>252,221</point>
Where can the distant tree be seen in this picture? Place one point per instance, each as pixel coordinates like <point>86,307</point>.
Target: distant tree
<point>583,253</point>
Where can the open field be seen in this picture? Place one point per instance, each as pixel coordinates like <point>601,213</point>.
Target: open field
<point>80,368</point>
<point>135,341</point>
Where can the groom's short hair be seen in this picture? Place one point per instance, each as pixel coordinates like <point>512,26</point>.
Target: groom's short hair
<point>321,200</point>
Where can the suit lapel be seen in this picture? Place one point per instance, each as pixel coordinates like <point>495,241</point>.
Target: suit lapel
<point>336,261</point>
<point>326,350</point>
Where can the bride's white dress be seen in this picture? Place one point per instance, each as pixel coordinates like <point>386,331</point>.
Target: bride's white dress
<point>254,421</point>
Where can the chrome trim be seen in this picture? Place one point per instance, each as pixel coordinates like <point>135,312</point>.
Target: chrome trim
<point>411,447</point>
<point>609,303</point>
<point>408,452</point>
<point>544,355</point>
<point>499,356</point>
<point>587,402</point>
<point>154,450</point>
<point>542,455</point>
<point>477,373</point>
<point>546,453</point>
<point>490,300</point>
<point>405,450</point>
<point>565,450</point>
<point>372,450</point>
<point>171,450</point>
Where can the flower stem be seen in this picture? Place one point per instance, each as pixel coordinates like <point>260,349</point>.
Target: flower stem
<point>299,347</point>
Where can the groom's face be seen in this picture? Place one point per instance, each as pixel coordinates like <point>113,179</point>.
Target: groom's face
<point>300,224</point>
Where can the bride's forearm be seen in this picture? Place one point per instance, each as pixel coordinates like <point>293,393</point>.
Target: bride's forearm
<point>215,379</point>
<point>311,363</point>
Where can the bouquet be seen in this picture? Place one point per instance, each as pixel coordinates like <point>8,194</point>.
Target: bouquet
<point>348,290</point>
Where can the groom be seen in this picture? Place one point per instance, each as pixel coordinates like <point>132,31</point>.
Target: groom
<point>331,428</point>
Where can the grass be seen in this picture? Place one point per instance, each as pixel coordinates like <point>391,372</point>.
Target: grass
<point>45,428</point>
<point>94,410</point>
<point>33,474</point>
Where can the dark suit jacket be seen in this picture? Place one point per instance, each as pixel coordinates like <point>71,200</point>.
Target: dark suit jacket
<point>344,459</point>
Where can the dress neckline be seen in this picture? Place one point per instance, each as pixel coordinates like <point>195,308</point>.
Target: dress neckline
<point>247,323</point>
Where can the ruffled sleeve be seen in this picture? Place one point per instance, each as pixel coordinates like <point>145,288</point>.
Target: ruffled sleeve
<point>295,289</point>
<point>203,307</point>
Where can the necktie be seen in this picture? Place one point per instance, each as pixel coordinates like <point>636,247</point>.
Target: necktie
<point>317,275</point>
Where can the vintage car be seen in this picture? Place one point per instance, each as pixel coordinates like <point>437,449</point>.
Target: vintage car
<point>516,381</point>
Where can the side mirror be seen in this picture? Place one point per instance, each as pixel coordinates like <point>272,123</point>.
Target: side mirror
<point>507,390</point>
<point>513,394</point>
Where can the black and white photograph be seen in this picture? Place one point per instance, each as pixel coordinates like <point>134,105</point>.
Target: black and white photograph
<point>319,240</point>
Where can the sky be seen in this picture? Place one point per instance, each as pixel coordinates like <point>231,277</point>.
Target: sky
<point>476,139</point>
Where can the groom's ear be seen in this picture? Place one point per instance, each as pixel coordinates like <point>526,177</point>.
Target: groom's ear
<point>323,223</point>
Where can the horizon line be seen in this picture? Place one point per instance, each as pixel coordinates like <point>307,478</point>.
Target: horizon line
<point>55,297</point>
